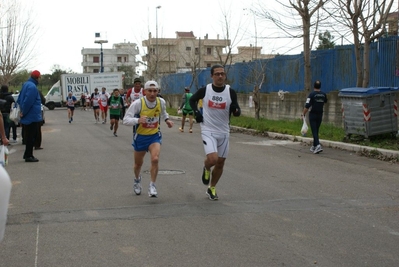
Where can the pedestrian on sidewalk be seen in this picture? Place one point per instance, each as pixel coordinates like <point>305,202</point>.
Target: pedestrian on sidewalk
<point>5,110</point>
<point>315,103</point>
<point>29,102</point>
<point>38,140</point>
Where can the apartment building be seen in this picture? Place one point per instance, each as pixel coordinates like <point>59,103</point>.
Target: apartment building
<point>117,58</point>
<point>249,53</point>
<point>180,54</point>
<point>393,21</point>
<point>186,52</point>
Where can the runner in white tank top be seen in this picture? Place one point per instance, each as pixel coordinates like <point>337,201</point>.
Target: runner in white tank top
<point>219,102</point>
<point>134,93</point>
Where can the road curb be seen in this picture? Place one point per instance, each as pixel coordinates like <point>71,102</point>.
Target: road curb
<point>325,143</point>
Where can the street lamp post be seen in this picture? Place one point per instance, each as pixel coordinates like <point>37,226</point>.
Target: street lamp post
<point>101,41</point>
<point>156,42</point>
<point>101,58</point>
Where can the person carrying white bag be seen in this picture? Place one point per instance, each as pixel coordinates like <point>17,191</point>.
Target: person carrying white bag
<point>315,103</point>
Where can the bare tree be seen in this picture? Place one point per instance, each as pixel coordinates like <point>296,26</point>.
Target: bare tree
<point>309,13</point>
<point>233,34</point>
<point>17,33</point>
<point>366,19</point>
<point>256,97</point>
<point>256,76</point>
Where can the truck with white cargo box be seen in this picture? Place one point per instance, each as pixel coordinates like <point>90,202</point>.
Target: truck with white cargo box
<point>81,83</point>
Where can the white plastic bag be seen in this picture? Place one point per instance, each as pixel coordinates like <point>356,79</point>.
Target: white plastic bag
<point>5,192</point>
<point>3,155</point>
<point>14,113</point>
<point>305,127</point>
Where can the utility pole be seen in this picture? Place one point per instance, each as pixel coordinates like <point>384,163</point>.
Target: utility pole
<point>156,42</point>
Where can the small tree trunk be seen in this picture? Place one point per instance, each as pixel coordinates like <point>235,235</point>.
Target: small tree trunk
<point>366,64</point>
<point>359,65</point>
<point>256,99</point>
<point>306,53</point>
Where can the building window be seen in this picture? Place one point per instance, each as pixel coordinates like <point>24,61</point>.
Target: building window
<point>188,48</point>
<point>196,50</point>
<point>152,50</point>
<point>209,51</point>
<point>119,59</point>
<point>96,70</point>
<point>125,59</point>
<point>188,64</point>
<point>208,65</point>
<point>96,59</point>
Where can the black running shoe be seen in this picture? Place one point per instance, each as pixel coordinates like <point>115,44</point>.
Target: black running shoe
<point>211,192</point>
<point>206,176</point>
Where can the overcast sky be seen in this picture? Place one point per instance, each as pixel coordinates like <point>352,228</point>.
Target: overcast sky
<point>65,27</point>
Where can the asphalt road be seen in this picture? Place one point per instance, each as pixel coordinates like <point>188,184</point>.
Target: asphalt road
<point>279,204</point>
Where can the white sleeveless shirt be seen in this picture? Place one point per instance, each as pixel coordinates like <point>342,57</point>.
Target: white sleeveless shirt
<point>216,107</point>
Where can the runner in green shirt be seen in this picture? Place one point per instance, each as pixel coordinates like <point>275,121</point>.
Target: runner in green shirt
<point>187,110</point>
<point>115,103</point>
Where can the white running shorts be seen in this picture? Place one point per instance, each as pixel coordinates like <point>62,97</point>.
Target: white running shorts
<point>215,142</point>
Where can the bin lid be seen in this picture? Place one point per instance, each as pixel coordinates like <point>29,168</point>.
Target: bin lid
<point>363,91</point>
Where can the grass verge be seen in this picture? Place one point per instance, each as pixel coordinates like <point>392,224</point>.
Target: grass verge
<point>327,131</point>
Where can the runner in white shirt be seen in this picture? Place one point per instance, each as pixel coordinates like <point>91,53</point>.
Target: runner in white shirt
<point>104,95</point>
<point>87,101</point>
<point>219,102</point>
<point>70,102</point>
<point>134,93</point>
<point>95,103</point>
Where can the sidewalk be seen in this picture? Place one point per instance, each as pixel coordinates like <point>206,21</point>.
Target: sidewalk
<point>325,143</point>
<point>339,145</point>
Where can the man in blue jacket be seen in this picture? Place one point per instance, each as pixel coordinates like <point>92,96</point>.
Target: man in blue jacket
<point>31,115</point>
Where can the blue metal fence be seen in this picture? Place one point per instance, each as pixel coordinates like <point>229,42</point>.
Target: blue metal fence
<point>336,68</point>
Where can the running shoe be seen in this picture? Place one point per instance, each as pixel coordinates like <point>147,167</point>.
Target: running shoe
<point>137,186</point>
<point>191,130</point>
<point>312,149</point>
<point>115,135</point>
<point>211,192</point>
<point>71,118</point>
<point>152,190</point>
<point>181,129</point>
<point>206,176</point>
<point>318,149</point>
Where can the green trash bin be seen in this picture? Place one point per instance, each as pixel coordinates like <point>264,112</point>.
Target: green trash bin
<point>369,111</point>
